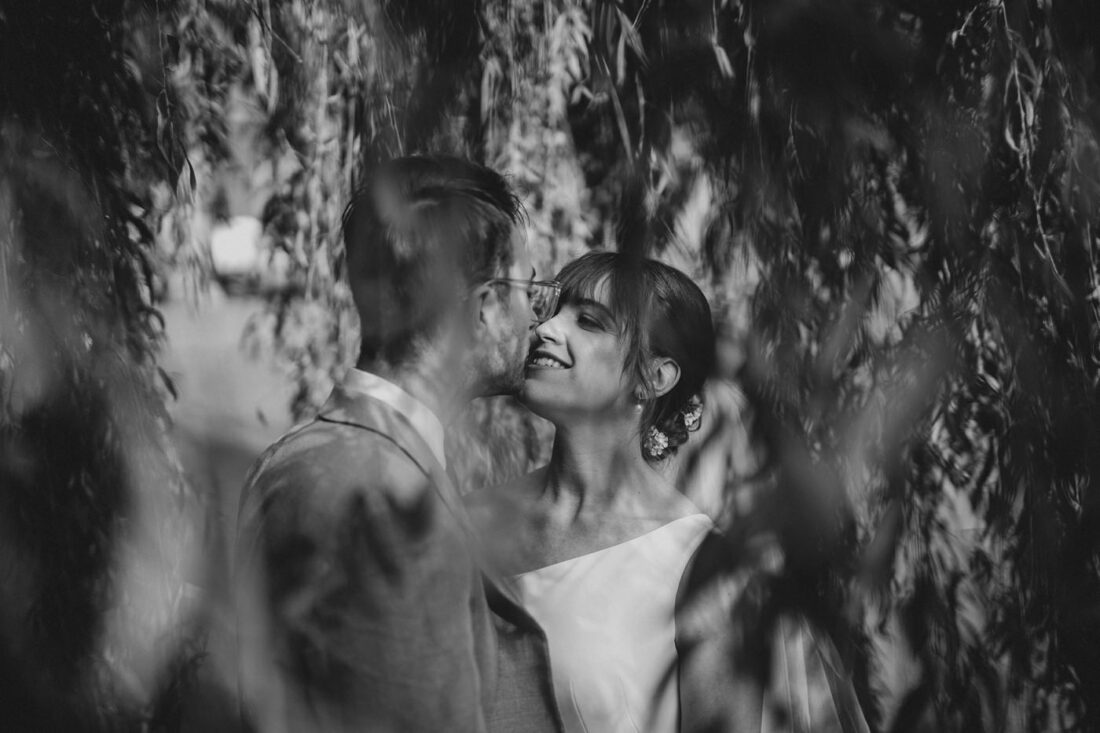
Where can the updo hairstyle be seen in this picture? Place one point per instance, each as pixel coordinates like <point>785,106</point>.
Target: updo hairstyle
<point>660,313</point>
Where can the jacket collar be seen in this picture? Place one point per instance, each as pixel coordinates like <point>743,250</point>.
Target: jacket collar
<point>423,420</point>
<point>352,407</point>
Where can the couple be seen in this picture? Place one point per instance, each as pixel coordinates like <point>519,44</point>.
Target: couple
<point>371,596</point>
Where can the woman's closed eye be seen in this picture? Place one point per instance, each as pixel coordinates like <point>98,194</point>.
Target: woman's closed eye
<point>590,322</point>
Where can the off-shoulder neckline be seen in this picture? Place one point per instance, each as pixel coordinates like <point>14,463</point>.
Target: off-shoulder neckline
<point>617,545</point>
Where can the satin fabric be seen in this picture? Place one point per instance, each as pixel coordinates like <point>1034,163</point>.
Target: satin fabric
<point>609,619</point>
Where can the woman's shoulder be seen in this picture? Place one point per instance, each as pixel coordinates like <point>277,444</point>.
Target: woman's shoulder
<point>672,504</point>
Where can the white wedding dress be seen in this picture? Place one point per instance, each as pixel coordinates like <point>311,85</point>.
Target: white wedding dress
<point>608,617</point>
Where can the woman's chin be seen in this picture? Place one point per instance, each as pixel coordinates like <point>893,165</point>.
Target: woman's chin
<point>529,396</point>
<point>529,399</point>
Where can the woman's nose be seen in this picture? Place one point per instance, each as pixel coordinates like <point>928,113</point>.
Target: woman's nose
<point>549,330</point>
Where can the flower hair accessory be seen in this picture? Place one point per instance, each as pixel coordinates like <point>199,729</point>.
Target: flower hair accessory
<point>693,413</point>
<point>656,443</point>
<point>662,441</point>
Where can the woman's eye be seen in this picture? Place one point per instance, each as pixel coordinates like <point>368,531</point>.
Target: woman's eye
<point>588,321</point>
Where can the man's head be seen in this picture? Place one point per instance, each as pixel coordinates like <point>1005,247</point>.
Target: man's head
<point>425,239</point>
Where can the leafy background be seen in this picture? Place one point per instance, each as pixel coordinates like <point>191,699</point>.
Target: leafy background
<point>890,204</point>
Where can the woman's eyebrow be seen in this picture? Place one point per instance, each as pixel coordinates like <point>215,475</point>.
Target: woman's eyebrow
<point>596,305</point>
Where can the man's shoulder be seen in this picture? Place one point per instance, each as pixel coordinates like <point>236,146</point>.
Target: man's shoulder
<point>322,456</point>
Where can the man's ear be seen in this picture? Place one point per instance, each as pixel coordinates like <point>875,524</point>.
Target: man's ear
<point>482,300</point>
<point>664,374</point>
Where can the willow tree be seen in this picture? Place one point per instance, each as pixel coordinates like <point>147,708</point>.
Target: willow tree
<point>340,88</point>
<point>93,529</point>
<point>917,184</point>
<point>892,205</point>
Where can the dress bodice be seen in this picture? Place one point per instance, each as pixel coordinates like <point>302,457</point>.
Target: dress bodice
<point>609,620</point>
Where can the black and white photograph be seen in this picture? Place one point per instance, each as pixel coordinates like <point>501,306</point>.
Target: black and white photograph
<point>549,366</point>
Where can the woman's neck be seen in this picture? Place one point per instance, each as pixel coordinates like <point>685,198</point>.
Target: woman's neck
<point>595,468</point>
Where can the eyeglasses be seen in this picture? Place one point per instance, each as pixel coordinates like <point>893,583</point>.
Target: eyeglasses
<point>543,295</point>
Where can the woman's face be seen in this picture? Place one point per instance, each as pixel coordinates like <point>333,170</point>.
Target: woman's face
<point>575,365</point>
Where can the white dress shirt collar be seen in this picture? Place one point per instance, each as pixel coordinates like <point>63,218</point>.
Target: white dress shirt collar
<point>423,420</point>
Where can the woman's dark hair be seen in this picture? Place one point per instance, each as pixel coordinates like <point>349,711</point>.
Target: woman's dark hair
<point>660,313</point>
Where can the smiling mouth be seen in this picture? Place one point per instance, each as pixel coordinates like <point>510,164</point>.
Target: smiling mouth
<point>545,361</point>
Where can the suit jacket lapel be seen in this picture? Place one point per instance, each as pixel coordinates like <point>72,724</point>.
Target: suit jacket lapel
<point>504,603</point>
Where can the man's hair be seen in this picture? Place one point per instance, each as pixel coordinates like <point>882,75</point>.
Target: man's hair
<point>417,235</point>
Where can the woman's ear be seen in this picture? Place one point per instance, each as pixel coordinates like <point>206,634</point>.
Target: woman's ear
<point>664,374</point>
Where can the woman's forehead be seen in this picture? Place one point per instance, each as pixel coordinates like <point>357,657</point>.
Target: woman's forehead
<point>595,287</point>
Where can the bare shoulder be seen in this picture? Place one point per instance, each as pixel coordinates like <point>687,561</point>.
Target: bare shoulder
<point>681,506</point>
<point>669,504</point>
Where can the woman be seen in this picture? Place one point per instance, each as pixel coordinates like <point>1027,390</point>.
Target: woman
<point>598,540</point>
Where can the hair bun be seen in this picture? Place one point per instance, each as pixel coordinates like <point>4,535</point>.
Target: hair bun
<point>662,440</point>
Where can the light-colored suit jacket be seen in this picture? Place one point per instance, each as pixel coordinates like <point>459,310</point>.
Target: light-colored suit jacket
<point>361,606</point>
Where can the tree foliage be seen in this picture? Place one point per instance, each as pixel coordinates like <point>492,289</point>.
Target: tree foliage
<point>92,525</point>
<point>892,202</point>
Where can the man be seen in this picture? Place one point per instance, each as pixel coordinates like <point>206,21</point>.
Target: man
<point>361,608</point>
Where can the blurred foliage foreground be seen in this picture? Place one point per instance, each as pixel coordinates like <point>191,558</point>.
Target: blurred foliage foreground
<point>891,204</point>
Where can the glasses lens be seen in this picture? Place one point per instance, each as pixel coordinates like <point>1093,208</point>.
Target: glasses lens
<point>544,300</point>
